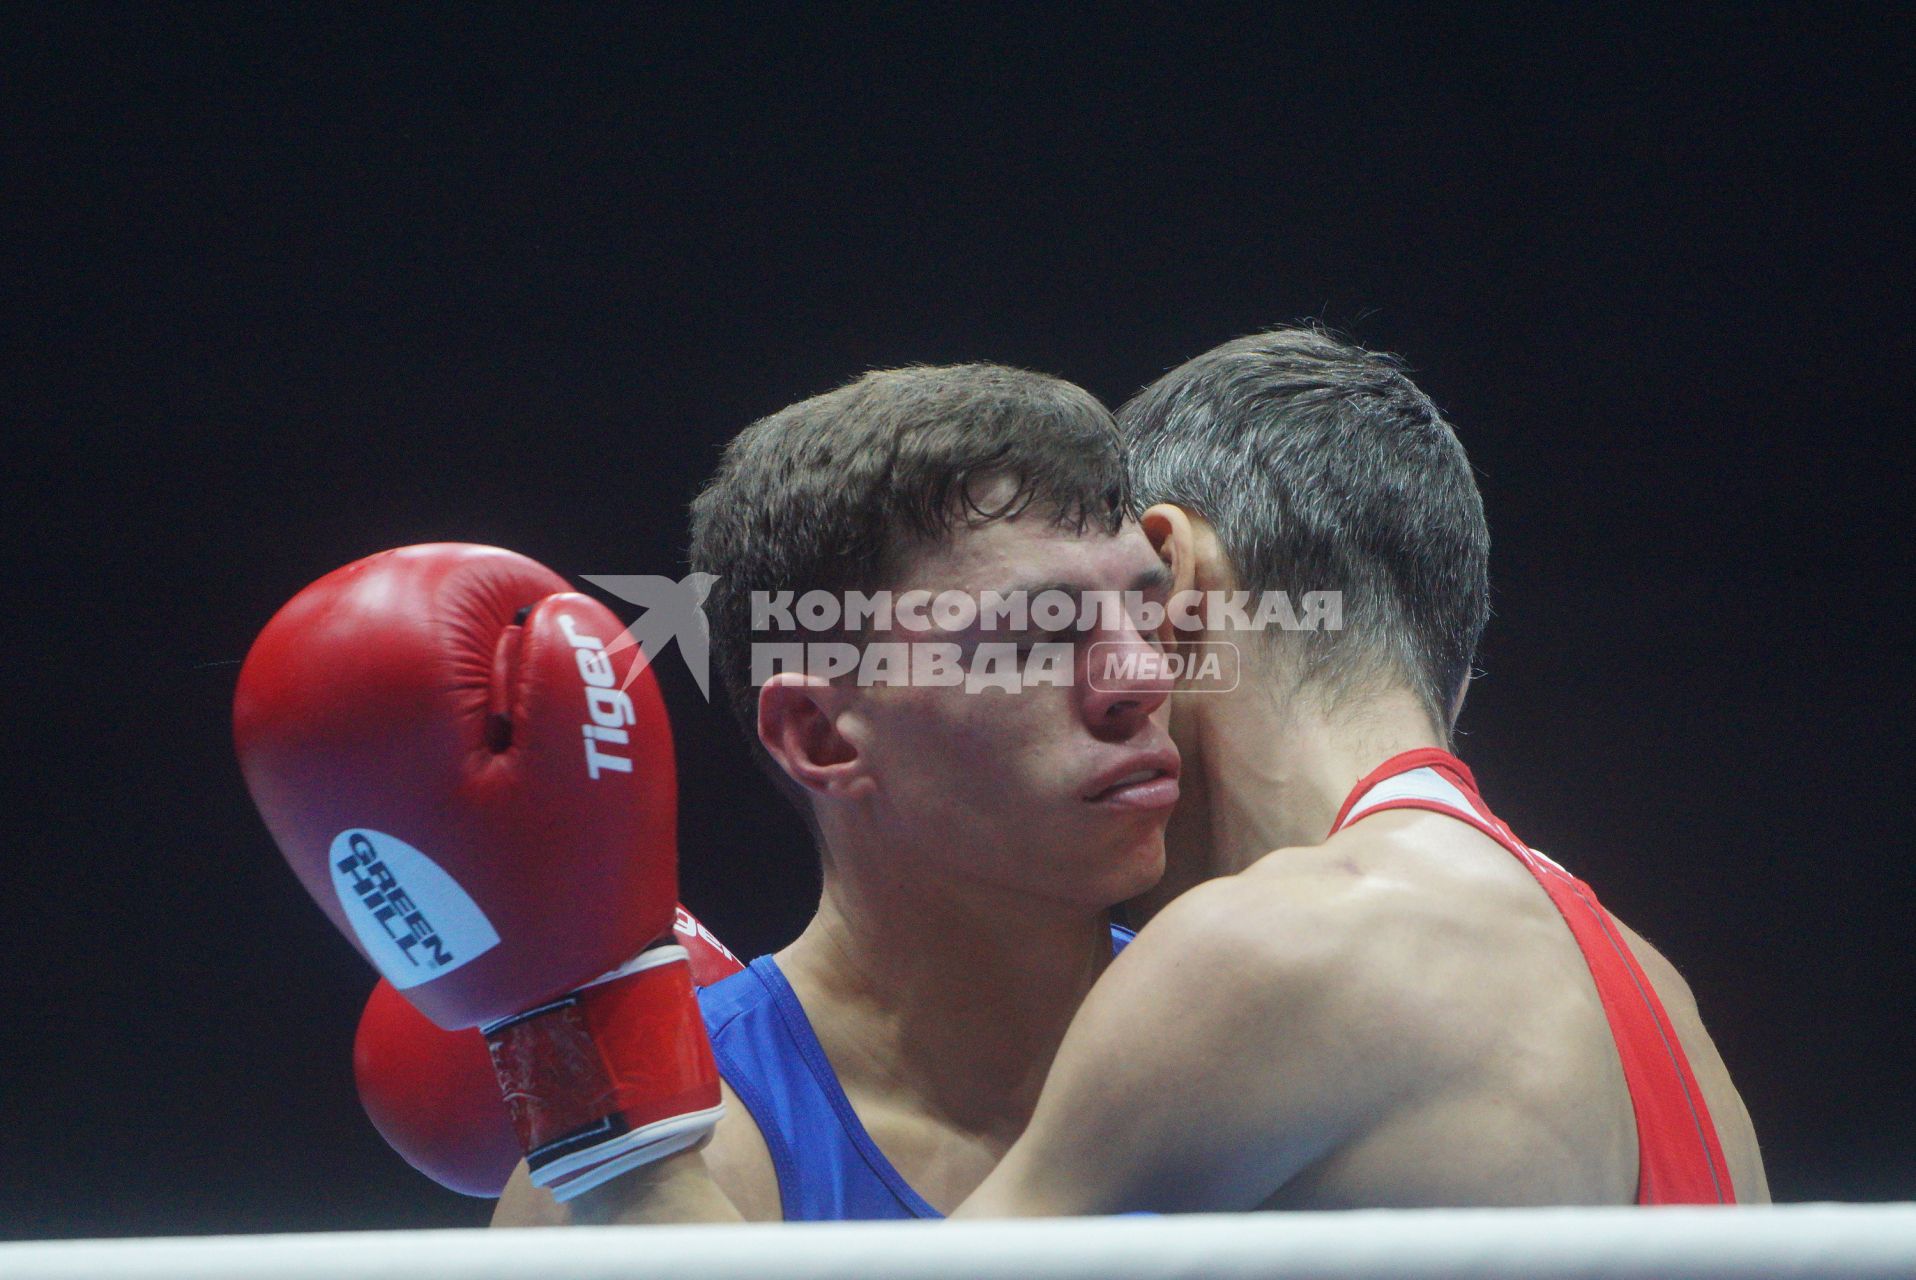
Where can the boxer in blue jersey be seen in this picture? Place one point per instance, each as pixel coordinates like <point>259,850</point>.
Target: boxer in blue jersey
<point>973,837</point>
<point>825,1162</point>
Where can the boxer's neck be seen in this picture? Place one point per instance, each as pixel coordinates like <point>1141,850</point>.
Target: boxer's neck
<point>951,1000</point>
<point>1264,773</point>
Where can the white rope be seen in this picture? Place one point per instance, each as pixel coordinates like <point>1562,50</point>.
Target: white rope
<point>1853,1242</point>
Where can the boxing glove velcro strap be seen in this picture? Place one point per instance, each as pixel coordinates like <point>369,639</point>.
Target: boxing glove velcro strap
<point>612,1076</point>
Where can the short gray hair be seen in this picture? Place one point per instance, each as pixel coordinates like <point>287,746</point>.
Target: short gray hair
<point>1322,467</point>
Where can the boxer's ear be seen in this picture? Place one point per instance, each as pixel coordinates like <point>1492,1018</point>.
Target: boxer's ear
<point>798,723</point>
<point>1176,538</point>
<point>1169,529</point>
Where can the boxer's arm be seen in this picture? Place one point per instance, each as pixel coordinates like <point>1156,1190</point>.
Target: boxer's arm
<point>730,1179</point>
<point>1232,1045</point>
<point>677,1189</point>
<point>523,1205</point>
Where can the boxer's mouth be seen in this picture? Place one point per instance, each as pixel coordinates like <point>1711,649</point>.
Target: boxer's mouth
<point>1146,782</point>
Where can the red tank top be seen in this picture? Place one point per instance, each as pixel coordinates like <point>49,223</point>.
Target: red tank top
<point>1679,1160</point>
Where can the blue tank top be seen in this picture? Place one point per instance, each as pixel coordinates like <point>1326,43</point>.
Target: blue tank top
<point>828,1167</point>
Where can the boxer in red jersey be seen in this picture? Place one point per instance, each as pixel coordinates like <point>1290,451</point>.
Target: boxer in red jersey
<point>1365,990</point>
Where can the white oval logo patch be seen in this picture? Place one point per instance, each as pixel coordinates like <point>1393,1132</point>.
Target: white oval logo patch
<point>412,918</point>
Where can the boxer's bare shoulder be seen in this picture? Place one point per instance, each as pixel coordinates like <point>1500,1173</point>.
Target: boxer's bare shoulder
<point>1247,1035</point>
<point>1458,969</point>
<point>1395,1017</point>
<point>1431,909</point>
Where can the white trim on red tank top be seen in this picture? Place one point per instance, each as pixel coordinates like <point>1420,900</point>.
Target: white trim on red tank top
<point>1426,789</point>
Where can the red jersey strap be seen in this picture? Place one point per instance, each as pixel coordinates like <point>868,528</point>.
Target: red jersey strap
<point>1679,1158</point>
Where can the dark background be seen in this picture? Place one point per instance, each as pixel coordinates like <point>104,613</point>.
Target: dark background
<point>292,290</point>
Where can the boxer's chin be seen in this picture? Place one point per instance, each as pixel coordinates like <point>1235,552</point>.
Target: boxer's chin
<point>1136,862</point>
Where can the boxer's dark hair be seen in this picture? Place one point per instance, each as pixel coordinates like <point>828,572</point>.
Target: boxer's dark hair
<point>1322,467</point>
<point>830,493</point>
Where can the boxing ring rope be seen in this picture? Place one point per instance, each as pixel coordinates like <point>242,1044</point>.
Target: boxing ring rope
<point>1855,1242</point>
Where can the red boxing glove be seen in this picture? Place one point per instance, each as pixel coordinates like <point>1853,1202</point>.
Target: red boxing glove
<point>431,1093</point>
<point>432,1096</point>
<point>462,768</point>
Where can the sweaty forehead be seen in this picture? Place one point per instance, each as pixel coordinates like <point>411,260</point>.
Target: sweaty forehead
<point>1031,552</point>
